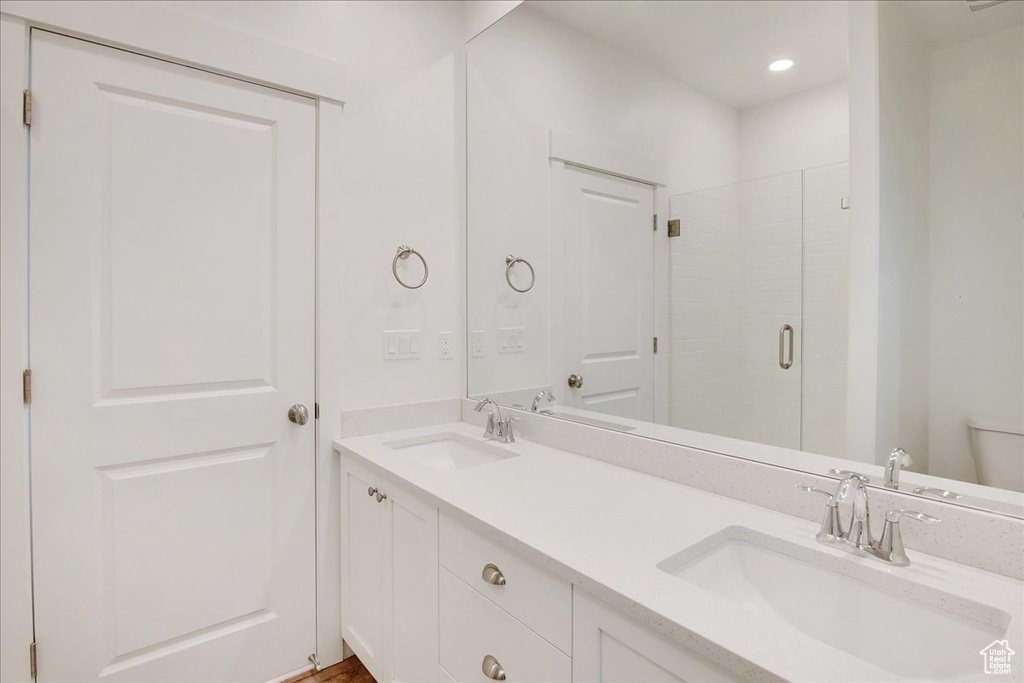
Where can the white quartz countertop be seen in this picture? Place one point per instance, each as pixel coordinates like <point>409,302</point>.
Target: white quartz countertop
<point>606,528</point>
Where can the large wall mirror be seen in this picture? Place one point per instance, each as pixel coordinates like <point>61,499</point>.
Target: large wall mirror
<point>660,238</point>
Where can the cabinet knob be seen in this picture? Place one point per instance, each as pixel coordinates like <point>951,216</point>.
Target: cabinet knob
<point>492,669</point>
<point>370,491</point>
<point>381,496</point>
<point>493,575</point>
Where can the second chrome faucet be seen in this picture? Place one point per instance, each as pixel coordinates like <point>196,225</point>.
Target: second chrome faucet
<point>498,428</point>
<point>856,534</point>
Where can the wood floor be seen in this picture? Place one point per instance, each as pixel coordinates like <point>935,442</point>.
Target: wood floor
<point>349,671</point>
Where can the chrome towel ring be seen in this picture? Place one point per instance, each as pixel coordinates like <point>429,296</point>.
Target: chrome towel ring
<point>404,252</point>
<point>510,261</point>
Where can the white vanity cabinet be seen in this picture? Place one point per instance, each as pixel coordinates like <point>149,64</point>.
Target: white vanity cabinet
<point>502,617</point>
<point>609,646</point>
<point>389,576</point>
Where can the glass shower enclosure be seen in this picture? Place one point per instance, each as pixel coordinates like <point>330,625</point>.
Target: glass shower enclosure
<point>758,310</point>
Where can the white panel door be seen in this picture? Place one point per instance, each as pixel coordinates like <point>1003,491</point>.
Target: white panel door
<point>172,326</point>
<point>609,292</point>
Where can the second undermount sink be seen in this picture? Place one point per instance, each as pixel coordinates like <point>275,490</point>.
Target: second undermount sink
<point>448,451</point>
<point>904,627</point>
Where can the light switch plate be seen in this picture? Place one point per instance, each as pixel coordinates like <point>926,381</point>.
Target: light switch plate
<point>510,339</point>
<point>401,344</point>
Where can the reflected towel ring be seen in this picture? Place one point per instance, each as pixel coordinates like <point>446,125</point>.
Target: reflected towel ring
<point>510,261</point>
<point>403,253</point>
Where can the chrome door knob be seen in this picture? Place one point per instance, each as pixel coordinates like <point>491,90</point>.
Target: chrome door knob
<point>298,414</point>
<point>575,381</point>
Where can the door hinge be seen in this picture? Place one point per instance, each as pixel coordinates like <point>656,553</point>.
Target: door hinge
<point>655,222</point>
<point>674,228</point>
<point>655,344</point>
<point>32,668</point>
<point>26,107</point>
<point>316,411</point>
<point>26,386</point>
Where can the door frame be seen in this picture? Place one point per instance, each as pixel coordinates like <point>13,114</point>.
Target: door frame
<point>167,35</point>
<point>596,155</point>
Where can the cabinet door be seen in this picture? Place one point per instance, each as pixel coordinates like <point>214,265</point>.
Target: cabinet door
<point>362,565</point>
<point>410,596</point>
<point>610,647</point>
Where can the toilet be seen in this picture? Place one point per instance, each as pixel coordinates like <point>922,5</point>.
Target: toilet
<point>997,444</point>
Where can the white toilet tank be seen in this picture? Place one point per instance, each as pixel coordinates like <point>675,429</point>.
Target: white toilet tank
<point>998,447</point>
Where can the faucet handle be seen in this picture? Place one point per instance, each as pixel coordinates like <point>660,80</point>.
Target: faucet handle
<point>893,516</point>
<point>831,527</point>
<point>820,492</point>
<point>847,473</point>
<point>890,547</point>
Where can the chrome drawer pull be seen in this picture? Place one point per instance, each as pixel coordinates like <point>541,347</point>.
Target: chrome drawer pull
<point>493,575</point>
<point>492,669</point>
<point>370,491</point>
<point>381,497</point>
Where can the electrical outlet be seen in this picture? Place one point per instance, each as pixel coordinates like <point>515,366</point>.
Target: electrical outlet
<point>477,342</point>
<point>446,345</point>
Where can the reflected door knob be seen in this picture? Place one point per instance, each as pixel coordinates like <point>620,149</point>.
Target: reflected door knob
<point>298,414</point>
<point>575,381</point>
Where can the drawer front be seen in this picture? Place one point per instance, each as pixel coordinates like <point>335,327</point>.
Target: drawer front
<point>537,598</point>
<point>472,628</point>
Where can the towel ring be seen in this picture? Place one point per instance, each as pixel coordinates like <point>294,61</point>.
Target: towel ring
<point>510,261</point>
<point>403,253</point>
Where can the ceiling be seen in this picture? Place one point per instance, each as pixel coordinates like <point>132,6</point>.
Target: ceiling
<point>721,48</point>
<point>944,22</point>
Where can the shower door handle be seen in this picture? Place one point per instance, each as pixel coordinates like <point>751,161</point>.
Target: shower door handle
<point>784,362</point>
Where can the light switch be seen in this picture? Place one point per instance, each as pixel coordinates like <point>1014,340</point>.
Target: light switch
<point>511,339</point>
<point>400,344</point>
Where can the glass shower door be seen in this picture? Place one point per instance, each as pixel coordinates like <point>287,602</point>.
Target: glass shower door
<point>736,309</point>
<point>759,310</point>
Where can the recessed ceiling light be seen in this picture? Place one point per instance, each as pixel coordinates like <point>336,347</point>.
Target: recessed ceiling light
<point>780,65</point>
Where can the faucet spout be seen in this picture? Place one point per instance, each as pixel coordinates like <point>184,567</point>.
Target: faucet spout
<point>898,459</point>
<point>489,432</point>
<point>540,397</point>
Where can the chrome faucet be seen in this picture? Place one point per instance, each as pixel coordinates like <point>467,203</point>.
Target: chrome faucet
<point>498,428</point>
<point>540,397</point>
<point>898,459</point>
<point>858,534</point>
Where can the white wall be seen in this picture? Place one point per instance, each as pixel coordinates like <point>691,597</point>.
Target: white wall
<point>804,130</point>
<point>527,75</point>
<point>903,239</point>
<point>976,130</point>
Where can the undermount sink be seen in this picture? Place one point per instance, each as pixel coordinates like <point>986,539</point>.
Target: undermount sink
<point>904,627</point>
<point>448,451</point>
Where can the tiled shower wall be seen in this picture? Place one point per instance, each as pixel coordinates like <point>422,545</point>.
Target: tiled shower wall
<point>752,257</point>
<point>826,289</point>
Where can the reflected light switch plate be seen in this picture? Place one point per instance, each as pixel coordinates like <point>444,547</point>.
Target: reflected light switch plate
<point>510,339</point>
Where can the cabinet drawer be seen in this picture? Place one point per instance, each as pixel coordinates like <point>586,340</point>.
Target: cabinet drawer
<point>472,627</point>
<point>537,598</point>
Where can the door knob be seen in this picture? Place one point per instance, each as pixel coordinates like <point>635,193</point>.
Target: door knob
<point>575,381</point>
<point>298,414</point>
